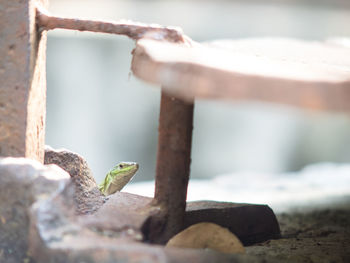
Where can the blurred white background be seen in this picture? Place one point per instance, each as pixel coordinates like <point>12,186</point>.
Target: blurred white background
<point>98,109</point>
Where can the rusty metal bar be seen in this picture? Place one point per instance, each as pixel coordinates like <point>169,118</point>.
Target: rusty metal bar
<point>173,162</point>
<point>131,29</point>
<point>22,81</point>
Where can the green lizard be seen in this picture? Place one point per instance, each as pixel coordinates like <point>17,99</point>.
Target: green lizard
<point>118,177</point>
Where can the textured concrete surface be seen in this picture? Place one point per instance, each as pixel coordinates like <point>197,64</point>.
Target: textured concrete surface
<point>22,182</point>
<point>310,236</point>
<point>57,234</point>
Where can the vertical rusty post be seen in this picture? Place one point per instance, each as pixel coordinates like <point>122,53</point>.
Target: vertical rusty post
<point>22,80</point>
<point>173,163</point>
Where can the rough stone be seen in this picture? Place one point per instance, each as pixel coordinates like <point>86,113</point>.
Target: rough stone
<point>22,182</point>
<point>58,234</point>
<point>122,214</point>
<point>250,223</point>
<point>22,81</point>
<point>207,236</point>
<point>87,196</point>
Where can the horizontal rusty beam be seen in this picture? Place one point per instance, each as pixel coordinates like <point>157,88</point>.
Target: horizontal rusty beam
<point>133,30</point>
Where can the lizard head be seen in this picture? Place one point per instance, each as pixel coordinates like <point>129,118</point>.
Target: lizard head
<point>118,177</point>
<point>124,169</point>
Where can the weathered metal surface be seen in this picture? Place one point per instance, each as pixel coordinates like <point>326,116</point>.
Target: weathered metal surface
<point>249,222</point>
<point>128,28</point>
<point>173,166</point>
<point>22,81</point>
<point>310,75</point>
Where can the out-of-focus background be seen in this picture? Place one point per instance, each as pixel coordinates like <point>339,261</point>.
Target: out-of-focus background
<point>98,109</point>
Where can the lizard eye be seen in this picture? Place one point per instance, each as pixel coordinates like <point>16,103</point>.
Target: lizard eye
<point>120,166</point>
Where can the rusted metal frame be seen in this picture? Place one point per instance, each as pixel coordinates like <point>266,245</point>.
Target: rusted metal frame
<point>175,125</point>
<point>133,30</point>
<point>173,163</point>
<point>176,116</point>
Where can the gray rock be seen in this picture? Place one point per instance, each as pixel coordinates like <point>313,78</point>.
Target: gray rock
<point>123,214</point>
<point>22,182</point>
<point>59,235</point>
<point>87,196</point>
